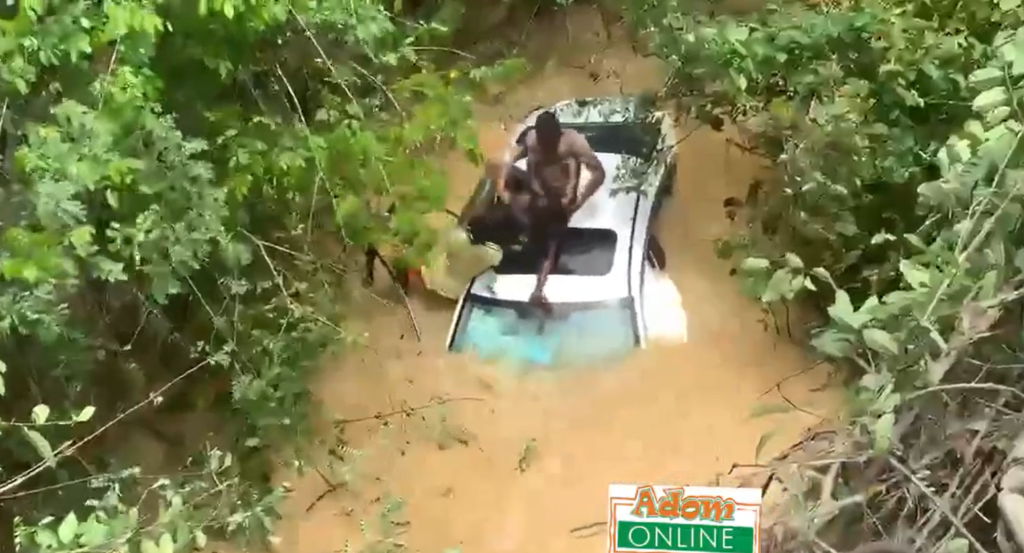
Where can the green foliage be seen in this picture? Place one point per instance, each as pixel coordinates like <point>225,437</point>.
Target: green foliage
<point>171,174</point>
<point>897,127</point>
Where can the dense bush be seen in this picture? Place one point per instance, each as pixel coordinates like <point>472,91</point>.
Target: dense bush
<point>896,126</point>
<point>170,173</point>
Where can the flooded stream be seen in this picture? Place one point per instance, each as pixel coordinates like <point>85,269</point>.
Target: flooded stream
<point>513,463</point>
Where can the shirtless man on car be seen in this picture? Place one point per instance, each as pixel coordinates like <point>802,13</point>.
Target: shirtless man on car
<point>554,157</point>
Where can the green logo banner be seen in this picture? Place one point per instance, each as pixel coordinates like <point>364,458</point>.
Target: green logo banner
<point>672,536</point>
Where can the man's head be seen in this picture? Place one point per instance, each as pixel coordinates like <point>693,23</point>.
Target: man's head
<point>549,131</point>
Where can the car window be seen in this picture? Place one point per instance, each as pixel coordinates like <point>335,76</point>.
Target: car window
<point>585,252</point>
<point>637,139</point>
<point>575,334</point>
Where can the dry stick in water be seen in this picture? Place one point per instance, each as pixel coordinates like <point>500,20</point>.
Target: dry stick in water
<point>331,488</point>
<point>405,298</point>
<point>793,375</point>
<point>408,410</point>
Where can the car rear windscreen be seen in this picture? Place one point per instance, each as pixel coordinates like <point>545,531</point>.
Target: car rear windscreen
<point>635,138</point>
<point>585,252</point>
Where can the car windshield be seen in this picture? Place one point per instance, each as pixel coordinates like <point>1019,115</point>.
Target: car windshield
<point>573,334</point>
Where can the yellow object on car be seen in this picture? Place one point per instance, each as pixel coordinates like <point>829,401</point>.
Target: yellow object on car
<point>455,261</point>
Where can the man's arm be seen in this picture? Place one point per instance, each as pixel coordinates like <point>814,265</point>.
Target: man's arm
<point>581,150</point>
<point>504,165</point>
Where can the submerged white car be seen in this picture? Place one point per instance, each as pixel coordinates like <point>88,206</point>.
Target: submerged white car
<point>601,290</point>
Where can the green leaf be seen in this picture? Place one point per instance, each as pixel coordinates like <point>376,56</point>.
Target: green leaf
<point>823,275</point>
<point>842,311</point>
<point>991,99</point>
<point>882,237</point>
<point>147,546</point>
<point>880,340</point>
<point>765,409</point>
<point>40,413</point>
<point>958,545</point>
<point>998,115</point>
<point>942,192</point>
<point>735,32</point>
<point>166,543</point>
<point>1018,262</point>
<point>915,241</point>
<point>779,286</point>
<point>832,343</point>
<point>200,539</point>
<point>85,414</point>
<point>81,239</point>
<point>986,288</point>
<point>1009,5</point>
<point>755,264</point>
<point>883,432</point>
<point>761,443</point>
<point>40,444</point>
<point>916,276</point>
<point>45,538</point>
<point>794,261</point>
<point>875,381</point>
<point>68,528</point>
<point>986,77</point>
<point>93,532</point>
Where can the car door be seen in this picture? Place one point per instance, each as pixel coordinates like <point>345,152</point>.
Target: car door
<point>664,316</point>
<point>666,160</point>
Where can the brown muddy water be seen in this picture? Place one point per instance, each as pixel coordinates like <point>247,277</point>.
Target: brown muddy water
<point>513,463</point>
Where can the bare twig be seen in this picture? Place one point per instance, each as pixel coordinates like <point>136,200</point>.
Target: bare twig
<point>443,49</point>
<point>965,252</point>
<point>334,71</point>
<point>790,402</point>
<point>793,375</point>
<point>316,154</point>
<point>280,283</point>
<point>408,410</point>
<point>597,524</point>
<point>70,447</point>
<point>331,488</point>
<point>405,298</point>
<point>323,55</point>
<point>941,505</point>
<point>968,386</point>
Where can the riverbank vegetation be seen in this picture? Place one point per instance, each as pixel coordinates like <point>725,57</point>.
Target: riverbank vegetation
<point>896,126</point>
<point>183,185</point>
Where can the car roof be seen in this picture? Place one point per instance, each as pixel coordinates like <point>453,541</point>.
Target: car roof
<point>608,209</point>
<point>613,207</point>
<point>610,109</point>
